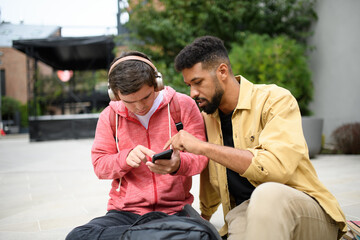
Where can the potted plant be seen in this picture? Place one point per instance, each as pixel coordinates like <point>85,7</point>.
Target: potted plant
<point>281,61</point>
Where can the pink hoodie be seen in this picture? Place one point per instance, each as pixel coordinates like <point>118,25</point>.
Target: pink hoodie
<point>141,190</point>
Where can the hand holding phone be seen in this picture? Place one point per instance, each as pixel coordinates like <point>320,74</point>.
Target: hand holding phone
<point>163,155</point>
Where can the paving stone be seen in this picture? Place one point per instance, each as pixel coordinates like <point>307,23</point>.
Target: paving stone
<point>48,188</point>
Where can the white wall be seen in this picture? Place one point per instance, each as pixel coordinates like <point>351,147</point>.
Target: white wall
<point>335,63</point>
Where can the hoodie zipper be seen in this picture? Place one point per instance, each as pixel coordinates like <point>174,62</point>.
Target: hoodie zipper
<point>149,146</point>
<point>153,175</point>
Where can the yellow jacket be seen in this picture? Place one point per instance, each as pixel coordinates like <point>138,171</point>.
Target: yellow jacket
<point>267,122</point>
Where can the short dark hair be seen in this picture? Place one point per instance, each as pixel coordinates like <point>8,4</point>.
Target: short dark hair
<point>129,76</point>
<point>208,50</point>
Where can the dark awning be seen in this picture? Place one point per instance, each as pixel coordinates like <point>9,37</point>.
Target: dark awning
<point>70,53</point>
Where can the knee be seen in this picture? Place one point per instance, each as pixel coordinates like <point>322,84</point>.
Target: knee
<point>269,192</point>
<point>268,197</point>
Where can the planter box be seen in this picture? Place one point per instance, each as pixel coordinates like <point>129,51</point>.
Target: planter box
<point>313,128</point>
<point>57,127</point>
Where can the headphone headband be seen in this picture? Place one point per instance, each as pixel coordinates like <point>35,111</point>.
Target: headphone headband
<point>132,57</point>
<point>158,76</point>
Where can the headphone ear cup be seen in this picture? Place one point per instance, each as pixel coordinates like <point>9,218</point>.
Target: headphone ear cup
<point>111,94</point>
<point>159,82</point>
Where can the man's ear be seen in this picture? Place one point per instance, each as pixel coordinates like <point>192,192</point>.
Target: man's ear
<point>222,72</point>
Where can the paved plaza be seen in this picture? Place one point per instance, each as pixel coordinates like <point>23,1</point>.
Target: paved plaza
<point>48,188</point>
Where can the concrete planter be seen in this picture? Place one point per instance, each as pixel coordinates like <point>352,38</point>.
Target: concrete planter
<point>58,127</point>
<point>313,128</point>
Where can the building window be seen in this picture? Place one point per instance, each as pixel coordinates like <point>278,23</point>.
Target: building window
<point>2,82</point>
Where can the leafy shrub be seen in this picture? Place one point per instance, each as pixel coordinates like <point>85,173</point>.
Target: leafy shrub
<point>280,60</point>
<point>347,138</point>
<point>9,106</point>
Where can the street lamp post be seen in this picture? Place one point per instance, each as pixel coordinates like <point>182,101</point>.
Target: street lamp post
<point>122,5</point>
<point>1,122</point>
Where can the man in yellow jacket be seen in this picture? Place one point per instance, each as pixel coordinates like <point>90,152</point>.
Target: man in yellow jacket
<point>260,169</point>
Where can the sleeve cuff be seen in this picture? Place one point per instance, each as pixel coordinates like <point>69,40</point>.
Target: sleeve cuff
<point>181,170</point>
<point>122,160</point>
<point>255,170</point>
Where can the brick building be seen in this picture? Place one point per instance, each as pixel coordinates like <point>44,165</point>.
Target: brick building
<point>14,64</point>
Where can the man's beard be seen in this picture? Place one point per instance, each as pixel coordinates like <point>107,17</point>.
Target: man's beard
<point>211,106</point>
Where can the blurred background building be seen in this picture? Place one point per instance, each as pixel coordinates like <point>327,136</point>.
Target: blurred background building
<point>13,63</point>
<point>334,59</point>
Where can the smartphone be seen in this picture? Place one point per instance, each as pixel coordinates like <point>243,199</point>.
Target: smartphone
<point>163,155</point>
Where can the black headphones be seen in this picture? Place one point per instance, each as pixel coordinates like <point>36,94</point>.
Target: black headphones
<point>158,76</point>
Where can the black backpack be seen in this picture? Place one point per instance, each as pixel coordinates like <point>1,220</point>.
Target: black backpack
<point>159,225</point>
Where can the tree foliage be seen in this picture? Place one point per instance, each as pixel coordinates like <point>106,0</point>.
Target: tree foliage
<point>161,28</point>
<point>279,60</point>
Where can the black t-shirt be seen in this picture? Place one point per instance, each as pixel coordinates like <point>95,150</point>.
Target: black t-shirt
<point>239,187</point>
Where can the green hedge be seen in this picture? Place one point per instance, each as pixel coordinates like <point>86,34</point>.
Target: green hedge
<point>280,60</point>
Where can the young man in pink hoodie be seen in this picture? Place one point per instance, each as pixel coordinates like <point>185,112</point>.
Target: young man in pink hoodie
<point>136,125</point>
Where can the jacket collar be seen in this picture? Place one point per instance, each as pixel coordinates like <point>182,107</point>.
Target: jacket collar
<point>246,87</point>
